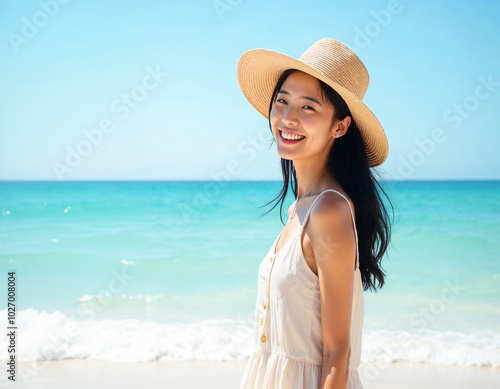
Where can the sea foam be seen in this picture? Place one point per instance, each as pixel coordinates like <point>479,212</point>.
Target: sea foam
<point>56,336</point>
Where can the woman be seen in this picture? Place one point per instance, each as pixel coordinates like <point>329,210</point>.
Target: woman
<point>310,305</point>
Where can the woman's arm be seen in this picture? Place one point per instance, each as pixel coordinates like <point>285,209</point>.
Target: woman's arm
<point>333,242</point>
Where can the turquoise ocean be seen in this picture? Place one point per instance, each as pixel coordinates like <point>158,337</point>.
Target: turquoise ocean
<point>146,271</point>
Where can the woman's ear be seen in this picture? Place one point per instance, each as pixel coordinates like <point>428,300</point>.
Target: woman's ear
<point>342,126</point>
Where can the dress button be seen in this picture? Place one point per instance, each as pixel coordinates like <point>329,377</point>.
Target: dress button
<point>264,304</point>
<point>261,321</point>
<point>271,259</point>
<point>263,338</point>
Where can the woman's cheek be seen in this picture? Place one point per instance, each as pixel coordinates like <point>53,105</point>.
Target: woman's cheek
<point>273,113</point>
<point>274,119</point>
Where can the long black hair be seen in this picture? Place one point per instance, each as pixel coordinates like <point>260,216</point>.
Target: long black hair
<point>348,163</point>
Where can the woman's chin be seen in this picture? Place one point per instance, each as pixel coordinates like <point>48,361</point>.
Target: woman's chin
<point>285,155</point>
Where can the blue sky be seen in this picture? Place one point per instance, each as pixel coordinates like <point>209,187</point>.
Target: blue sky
<point>147,89</point>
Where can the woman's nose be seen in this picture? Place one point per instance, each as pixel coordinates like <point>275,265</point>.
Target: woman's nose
<point>290,116</point>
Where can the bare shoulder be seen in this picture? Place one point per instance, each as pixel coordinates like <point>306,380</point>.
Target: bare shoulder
<point>331,211</point>
<point>331,229</point>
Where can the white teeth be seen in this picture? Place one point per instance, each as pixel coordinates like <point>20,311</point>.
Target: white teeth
<point>291,137</point>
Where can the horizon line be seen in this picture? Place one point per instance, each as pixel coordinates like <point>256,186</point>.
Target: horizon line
<point>249,180</point>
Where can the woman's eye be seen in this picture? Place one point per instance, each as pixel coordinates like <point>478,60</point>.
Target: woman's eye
<point>308,107</point>
<point>281,101</point>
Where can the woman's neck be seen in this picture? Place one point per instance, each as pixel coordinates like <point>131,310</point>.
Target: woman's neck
<point>313,178</point>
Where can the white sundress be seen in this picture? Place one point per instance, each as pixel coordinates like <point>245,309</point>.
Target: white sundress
<point>288,338</point>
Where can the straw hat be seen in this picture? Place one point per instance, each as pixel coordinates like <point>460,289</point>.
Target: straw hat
<point>331,62</point>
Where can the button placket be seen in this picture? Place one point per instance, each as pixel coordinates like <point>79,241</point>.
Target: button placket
<point>265,302</point>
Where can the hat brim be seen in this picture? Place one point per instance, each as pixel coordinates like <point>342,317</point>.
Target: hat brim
<point>258,71</point>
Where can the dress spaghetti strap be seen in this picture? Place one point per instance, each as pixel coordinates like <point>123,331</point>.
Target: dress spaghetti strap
<point>352,217</point>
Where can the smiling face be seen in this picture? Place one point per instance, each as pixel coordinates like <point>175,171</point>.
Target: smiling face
<point>302,122</point>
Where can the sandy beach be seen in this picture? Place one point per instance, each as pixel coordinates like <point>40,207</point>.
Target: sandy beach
<point>226,375</point>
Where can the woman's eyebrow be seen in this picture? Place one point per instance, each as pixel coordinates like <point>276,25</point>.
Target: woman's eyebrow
<point>302,97</point>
